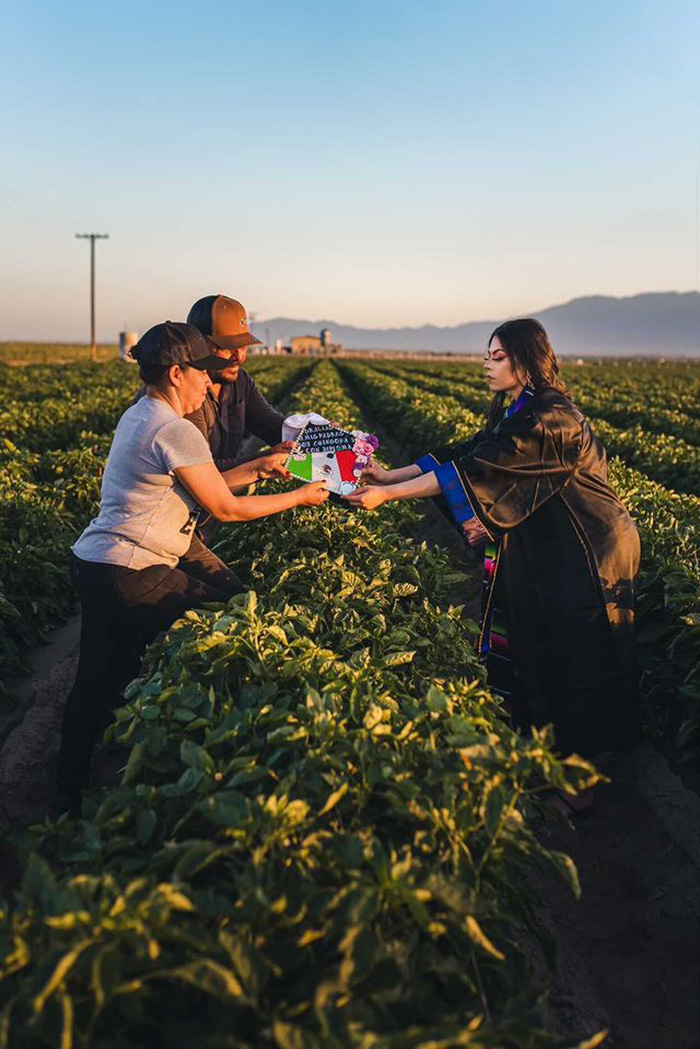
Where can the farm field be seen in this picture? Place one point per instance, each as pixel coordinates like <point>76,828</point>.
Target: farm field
<point>323,834</point>
<point>56,426</point>
<point>444,403</point>
<point>21,353</point>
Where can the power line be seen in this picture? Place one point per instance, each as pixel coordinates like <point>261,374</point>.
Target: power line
<point>92,237</point>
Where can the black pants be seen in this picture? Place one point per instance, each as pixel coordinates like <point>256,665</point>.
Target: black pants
<point>199,553</point>
<point>122,612</point>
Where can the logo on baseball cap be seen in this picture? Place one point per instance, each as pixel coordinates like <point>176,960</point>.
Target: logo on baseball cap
<point>223,320</point>
<point>176,343</point>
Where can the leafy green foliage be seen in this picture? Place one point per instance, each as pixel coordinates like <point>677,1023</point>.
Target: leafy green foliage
<point>320,835</point>
<point>56,427</point>
<point>668,589</point>
<point>630,413</point>
<point>668,609</point>
<point>22,353</point>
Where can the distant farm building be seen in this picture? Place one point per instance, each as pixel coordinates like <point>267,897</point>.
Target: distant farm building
<point>314,345</point>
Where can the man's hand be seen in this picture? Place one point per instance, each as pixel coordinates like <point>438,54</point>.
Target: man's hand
<point>284,446</point>
<point>272,464</point>
<point>369,498</point>
<point>474,531</point>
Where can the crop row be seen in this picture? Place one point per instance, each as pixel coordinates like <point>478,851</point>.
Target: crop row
<point>664,398</point>
<point>670,460</point>
<point>319,838</point>
<point>47,407</point>
<point>24,353</point>
<point>51,464</point>
<point>645,401</point>
<point>668,588</point>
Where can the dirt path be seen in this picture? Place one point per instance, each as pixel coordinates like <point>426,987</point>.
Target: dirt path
<point>30,728</point>
<point>628,952</point>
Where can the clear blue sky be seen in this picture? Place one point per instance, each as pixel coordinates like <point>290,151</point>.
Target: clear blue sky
<point>377,163</point>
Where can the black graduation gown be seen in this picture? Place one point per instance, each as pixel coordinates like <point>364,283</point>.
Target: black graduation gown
<point>568,555</point>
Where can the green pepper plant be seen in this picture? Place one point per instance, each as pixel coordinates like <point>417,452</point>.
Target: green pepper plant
<point>321,835</point>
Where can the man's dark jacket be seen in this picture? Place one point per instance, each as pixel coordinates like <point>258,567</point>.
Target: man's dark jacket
<point>568,553</point>
<point>225,420</point>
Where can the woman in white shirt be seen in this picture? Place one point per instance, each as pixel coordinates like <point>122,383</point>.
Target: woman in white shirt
<point>126,565</point>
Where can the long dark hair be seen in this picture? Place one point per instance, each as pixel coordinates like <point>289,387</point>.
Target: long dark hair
<point>529,349</point>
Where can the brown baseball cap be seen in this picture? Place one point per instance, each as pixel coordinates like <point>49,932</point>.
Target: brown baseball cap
<point>223,320</point>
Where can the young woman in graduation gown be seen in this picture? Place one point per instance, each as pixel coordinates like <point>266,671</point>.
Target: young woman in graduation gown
<point>557,627</point>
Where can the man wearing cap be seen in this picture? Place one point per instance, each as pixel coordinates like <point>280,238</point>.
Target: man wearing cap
<point>234,404</point>
<point>128,565</point>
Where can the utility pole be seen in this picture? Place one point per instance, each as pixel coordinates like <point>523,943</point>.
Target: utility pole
<point>92,237</point>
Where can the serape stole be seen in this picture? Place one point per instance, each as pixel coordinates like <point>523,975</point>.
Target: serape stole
<point>495,648</point>
<point>494,633</point>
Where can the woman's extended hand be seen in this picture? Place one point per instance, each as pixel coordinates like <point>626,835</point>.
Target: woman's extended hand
<point>474,531</point>
<point>373,473</point>
<point>313,494</point>
<point>368,498</point>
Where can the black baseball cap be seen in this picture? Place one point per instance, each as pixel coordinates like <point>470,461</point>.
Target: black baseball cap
<point>177,343</point>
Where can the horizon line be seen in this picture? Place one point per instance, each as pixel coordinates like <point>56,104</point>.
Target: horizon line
<point>460,324</point>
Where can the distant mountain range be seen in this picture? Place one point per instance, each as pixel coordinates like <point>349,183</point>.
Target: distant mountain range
<point>656,323</point>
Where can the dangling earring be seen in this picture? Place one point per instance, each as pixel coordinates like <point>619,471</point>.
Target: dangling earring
<point>528,380</point>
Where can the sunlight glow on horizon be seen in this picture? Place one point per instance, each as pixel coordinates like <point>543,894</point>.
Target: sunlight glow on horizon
<point>378,165</point>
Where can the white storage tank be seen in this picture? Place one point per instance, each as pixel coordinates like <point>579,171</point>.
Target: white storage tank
<point>127,341</point>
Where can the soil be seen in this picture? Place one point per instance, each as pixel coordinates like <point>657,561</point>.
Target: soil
<point>30,747</point>
<point>627,954</point>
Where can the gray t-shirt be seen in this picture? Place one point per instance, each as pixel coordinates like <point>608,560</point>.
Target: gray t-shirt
<point>146,516</point>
